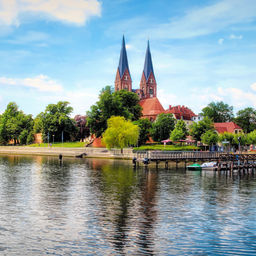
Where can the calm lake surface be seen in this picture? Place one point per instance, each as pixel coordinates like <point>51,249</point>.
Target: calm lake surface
<point>104,207</point>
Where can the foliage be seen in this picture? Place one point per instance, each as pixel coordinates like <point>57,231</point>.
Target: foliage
<point>120,133</point>
<point>226,136</point>
<point>59,144</point>
<point>145,127</point>
<point>162,127</point>
<point>55,120</point>
<point>251,137</point>
<point>218,112</point>
<point>209,137</point>
<point>180,131</point>
<point>83,130</point>
<point>198,129</point>
<point>15,125</point>
<point>166,148</point>
<point>239,137</point>
<point>246,119</point>
<point>120,103</point>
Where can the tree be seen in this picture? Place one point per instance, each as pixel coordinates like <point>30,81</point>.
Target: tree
<point>218,112</point>
<point>251,137</point>
<point>83,129</point>
<point>145,127</point>
<point>15,125</point>
<point>246,119</point>
<point>180,131</point>
<point>209,137</point>
<point>162,127</point>
<point>55,121</point>
<point>120,103</point>
<point>120,133</point>
<point>198,129</point>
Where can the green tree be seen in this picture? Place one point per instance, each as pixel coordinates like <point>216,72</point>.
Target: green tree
<point>120,103</point>
<point>218,112</point>
<point>55,120</point>
<point>15,125</point>
<point>120,133</point>
<point>239,138</point>
<point>209,137</point>
<point>226,136</point>
<point>145,127</point>
<point>162,127</point>
<point>180,131</point>
<point>246,119</point>
<point>198,129</point>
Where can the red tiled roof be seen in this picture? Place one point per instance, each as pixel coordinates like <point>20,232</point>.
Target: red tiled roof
<point>226,127</point>
<point>151,106</point>
<point>181,112</point>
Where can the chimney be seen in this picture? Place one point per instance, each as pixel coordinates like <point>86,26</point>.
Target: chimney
<point>170,106</point>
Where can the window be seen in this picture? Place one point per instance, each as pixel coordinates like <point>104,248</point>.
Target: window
<point>151,81</point>
<point>125,78</point>
<point>151,92</point>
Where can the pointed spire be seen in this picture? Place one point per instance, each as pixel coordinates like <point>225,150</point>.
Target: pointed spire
<point>123,61</point>
<point>148,66</point>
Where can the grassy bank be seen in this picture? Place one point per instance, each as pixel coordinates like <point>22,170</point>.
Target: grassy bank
<point>167,148</point>
<point>76,144</point>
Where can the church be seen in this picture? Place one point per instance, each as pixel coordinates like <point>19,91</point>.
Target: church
<point>151,106</point>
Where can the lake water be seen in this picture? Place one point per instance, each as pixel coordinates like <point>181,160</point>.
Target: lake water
<point>104,207</point>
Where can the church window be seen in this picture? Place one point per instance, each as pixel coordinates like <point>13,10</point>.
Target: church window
<point>125,78</point>
<point>151,80</point>
<point>151,91</point>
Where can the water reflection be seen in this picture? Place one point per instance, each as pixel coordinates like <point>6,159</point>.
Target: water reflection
<point>93,206</point>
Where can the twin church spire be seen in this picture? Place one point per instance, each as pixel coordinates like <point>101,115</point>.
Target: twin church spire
<point>123,79</point>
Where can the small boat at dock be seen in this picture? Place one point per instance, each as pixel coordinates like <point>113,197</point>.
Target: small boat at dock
<point>211,166</point>
<point>194,167</point>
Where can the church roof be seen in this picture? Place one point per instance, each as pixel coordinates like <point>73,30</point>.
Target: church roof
<point>151,107</point>
<point>123,61</point>
<point>148,66</point>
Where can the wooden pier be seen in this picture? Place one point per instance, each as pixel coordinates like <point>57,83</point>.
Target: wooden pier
<point>225,161</point>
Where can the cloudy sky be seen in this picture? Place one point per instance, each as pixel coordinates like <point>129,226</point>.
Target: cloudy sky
<point>202,50</point>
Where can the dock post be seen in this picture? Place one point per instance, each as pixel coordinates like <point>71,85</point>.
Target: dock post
<point>177,164</point>
<point>166,165</point>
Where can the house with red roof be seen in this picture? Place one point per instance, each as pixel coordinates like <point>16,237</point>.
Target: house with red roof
<point>230,127</point>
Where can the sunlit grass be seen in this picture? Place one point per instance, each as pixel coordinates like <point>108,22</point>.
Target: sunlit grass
<point>75,144</point>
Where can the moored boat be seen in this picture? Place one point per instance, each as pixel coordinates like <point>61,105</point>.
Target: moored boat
<point>211,166</point>
<point>194,167</point>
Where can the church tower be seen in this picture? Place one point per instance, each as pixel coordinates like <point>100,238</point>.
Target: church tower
<point>123,79</point>
<point>148,84</point>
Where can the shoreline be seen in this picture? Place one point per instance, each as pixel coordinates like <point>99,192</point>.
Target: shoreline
<point>67,152</point>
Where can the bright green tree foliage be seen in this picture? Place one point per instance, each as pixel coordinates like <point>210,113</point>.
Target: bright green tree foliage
<point>120,133</point>
<point>55,120</point>
<point>15,125</point>
<point>239,137</point>
<point>226,136</point>
<point>162,127</point>
<point>251,137</point>
<point>145,127</point>
<point>198,129</point>
<point>209,137</point>
<point>120,103</point>
<point>180,131</point>
<point>218,112</point>
<point>246,119</point>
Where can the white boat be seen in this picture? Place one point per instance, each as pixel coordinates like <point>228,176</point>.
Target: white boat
<point>209,166</point>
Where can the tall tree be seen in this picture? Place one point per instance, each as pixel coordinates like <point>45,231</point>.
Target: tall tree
<point>209,137</point>
<point>15,125</point>
<point>198,129</point>
<point>162,127</point>
<point>180,131</point>
<point>246,119</point>
<point>120,133</point>
<point>145,127</point>
<point>121,103</point>
<point>218,111</point>
<point>55,121</point>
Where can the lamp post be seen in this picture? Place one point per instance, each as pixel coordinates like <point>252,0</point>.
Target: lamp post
<point>53,139</point>
<point>239,139</point>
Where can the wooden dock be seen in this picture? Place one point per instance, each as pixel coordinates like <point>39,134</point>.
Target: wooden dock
<point>225,161</point>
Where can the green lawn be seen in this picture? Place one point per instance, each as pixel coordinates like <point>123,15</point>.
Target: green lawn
<point>167,147</point>
<point>76,144</point>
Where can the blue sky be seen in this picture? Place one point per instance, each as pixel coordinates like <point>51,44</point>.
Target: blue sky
<point>202,50</point>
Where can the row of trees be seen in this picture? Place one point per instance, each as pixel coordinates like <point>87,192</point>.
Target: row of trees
<point>221,112</point>
<point>19,128</point>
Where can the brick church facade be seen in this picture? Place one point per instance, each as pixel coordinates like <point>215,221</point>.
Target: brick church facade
<point>151,106</point>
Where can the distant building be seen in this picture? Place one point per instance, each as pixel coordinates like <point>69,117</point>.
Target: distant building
<point>197,118</point>
<point>182,113</point>
<point>227,127</point>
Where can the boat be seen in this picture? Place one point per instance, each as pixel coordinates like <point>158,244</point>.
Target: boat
<point>194,167</point>
<point>211,166</point>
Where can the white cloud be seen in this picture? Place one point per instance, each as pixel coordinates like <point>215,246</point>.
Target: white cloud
<point>232,36</point>
<point>71,11</point>
<point>253,86</point>
<point>220,41</point>
<point>41,83</point>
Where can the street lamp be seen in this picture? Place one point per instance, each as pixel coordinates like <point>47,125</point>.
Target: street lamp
<point>53,139</point>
